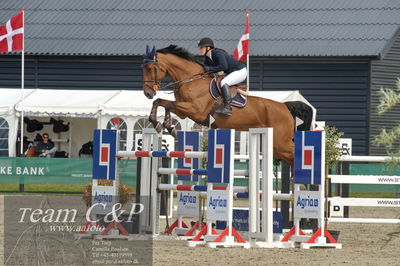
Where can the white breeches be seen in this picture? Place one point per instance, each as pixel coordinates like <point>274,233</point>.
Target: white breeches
<point>235,77</point>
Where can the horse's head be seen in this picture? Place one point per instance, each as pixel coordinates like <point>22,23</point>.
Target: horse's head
<point>152,74</point>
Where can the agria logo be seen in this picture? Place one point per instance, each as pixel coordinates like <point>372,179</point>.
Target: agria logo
<point>307,202</point>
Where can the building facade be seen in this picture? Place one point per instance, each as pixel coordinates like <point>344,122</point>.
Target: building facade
<point>338,55</point>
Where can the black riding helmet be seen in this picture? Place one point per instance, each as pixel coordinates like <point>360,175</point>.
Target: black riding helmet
<point>206,42</point>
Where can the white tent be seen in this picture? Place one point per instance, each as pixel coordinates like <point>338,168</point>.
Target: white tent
<point>86,110</point>
<point>9,98</point>
<point>71,103</point>
<point>132,103</point>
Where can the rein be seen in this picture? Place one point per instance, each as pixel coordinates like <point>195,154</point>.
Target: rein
<point>181,82</point>
<point>157,84</point>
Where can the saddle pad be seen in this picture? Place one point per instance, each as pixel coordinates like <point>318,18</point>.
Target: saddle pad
<point>238,100</point>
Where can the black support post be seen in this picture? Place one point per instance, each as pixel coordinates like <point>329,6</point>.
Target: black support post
<point>285,205</point>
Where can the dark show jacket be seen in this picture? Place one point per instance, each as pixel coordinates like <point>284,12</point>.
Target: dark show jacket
<point>221,61</point>
<point>44,146</point>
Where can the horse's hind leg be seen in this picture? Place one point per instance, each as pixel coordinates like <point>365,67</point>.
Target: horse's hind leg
<point>284,149</point>
<point>286,156</point>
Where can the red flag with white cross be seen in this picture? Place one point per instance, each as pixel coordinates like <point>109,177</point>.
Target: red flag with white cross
<point>12,34</point>
<point>243,47</point>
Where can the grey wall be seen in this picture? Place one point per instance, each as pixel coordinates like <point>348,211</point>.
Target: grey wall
<point>72,72</point>
<point>337,87</point>
<point>384,74</point>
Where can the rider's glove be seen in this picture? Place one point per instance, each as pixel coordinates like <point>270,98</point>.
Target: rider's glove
<point>207,69</point>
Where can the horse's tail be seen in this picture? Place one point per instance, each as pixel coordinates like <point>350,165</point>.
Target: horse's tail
<point>302,111</point>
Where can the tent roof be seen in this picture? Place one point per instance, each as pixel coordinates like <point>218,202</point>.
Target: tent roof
<point>132,103</point>
<point>10,97</point>
<point>65,102</point>
<point>90,103</point>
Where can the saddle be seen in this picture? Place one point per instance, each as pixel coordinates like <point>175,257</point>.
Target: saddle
<point>238,100</point>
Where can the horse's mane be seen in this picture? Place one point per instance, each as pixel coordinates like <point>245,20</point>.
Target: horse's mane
<point>180,52</point>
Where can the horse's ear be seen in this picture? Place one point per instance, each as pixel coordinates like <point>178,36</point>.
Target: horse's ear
<point>153,52</point>
<point>147,50</point>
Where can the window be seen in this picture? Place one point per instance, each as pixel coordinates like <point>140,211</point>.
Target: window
<point>237,142</point>
<point>3,137</point>
<point>241,142</point>
<point>141,124</point>
<point>120,125</point>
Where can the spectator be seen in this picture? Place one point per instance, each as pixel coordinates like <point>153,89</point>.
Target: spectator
<point>46,147</point>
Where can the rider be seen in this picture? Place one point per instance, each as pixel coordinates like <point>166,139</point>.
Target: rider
<point>217,60</point>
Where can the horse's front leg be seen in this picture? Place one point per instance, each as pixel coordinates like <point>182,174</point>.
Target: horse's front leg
<point>167,120</point>
<point>184,109</point>
<point>153,115</point>
<point>181,109</point>
<point>168,123</point>
<point>168,105</point>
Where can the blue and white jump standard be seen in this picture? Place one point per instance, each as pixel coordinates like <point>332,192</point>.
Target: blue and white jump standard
<point>309,169</point>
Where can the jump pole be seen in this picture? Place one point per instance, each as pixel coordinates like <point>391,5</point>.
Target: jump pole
<point>149,219</point>
<point>188,141</point>
<point>259,137</point>
<point>150,177</point>
<point>261,235</point>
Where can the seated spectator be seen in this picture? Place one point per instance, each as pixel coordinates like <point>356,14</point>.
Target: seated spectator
<point>46,147</point>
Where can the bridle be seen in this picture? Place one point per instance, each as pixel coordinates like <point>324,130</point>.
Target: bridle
<point>157,84</point>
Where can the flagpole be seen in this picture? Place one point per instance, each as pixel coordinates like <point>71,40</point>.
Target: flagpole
<point>248,54</point>
<point>248,73</point>
<point>22,83</point>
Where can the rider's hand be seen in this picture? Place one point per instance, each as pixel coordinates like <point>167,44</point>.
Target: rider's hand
<point>207,69</point>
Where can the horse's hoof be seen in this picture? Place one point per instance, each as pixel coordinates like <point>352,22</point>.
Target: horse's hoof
<point>167,126</point>
<point>158,127</point>
<point>174,133</point>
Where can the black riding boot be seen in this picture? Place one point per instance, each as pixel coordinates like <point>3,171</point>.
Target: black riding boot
<point>226,95</point>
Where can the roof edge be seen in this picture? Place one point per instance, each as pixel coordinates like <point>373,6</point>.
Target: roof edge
<point>389,44</point>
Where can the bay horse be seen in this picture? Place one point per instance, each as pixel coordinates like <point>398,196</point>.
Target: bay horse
<point>193,100</point>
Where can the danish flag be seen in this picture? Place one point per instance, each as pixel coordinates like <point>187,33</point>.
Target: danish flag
<point>12,34</point>
<point>243,47</point>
